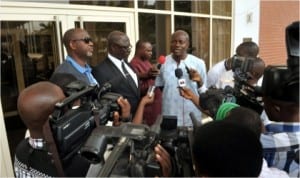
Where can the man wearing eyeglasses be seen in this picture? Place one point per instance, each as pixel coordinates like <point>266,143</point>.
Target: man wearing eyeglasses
<point>79,47</point>
<point>116,65</point>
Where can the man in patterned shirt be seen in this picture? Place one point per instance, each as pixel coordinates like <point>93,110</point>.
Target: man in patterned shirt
<point>281,101</point>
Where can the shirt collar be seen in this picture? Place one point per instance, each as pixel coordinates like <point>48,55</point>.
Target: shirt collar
<point>277,127</point>
<point>37,143</point>
<point>78,67</point>
<point>115,60</point>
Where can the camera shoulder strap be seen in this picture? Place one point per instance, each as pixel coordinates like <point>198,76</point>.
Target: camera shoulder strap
<point>51,145</point>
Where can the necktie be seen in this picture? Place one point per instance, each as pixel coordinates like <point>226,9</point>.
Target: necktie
<point>128,76</point>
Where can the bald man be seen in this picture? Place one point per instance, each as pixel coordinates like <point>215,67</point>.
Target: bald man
<point>35,104</point>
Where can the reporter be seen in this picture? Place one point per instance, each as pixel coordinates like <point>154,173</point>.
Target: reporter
<point>208,102</point>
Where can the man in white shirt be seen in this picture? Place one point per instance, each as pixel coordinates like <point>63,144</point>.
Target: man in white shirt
<point>221,74</point>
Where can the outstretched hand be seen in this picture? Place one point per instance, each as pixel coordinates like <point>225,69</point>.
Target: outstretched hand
<point>187,93</point>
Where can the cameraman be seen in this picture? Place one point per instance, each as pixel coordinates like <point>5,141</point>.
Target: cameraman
<point>281,103</point>
<point>221,74</point>
<point>35,104</point>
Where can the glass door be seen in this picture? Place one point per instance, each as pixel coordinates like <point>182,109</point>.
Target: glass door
<point>31,48</point>
<point>29,53</point>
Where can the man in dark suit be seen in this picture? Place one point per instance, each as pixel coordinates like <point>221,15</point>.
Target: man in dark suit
<point>115,66</point>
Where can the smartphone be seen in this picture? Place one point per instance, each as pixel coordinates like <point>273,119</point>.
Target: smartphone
<point>151,91</point>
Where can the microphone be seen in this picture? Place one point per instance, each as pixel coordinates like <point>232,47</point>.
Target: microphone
<point>161,60</point>
<point>179,74</point>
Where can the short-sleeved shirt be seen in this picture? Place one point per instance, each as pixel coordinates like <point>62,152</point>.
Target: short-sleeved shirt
<point>281,146</point>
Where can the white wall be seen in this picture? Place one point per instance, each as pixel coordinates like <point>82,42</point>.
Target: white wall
<point>6,169</point>
<point>245,21</point>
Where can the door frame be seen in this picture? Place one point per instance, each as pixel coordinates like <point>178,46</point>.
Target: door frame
<point>66,15</point>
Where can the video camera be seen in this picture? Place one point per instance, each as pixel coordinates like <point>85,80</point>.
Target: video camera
<point>242,93</point>
<point>282,82</point>
<point>133,153</point>
<point>76,116</point>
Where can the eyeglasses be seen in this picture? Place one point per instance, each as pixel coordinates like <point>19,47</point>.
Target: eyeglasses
<point>86,40</point>
<point>126,48</point>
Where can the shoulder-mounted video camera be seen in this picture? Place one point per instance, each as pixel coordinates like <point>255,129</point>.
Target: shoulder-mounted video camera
<point>282,82</point>
<point>76,116</point>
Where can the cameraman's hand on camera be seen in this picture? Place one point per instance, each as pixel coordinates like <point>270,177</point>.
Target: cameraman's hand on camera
<point>163,157</point>
<point>195,76</point>
<point>125,108</point>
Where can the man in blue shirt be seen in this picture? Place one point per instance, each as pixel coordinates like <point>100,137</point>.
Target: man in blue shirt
<point>79,47</point>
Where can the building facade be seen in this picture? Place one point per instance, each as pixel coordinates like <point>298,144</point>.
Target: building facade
<point>31,33</point>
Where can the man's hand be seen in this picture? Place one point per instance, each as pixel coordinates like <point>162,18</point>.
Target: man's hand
<point>125,107</point>
<point>195,76</point>
<point>187,93</point>
<point>163,157</point>
<point>147,99</point>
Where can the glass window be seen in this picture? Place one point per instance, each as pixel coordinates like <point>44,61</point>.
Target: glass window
<point>156,29</point>
<point>201,7</point>
<point>221,30</point>
<point>222,8</point>
<point>198,30</point>
<point>154,4</point>
<point>28,55</point>
<point>114,3</point>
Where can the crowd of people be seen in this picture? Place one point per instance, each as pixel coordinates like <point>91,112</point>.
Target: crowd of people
<point>238,142</point>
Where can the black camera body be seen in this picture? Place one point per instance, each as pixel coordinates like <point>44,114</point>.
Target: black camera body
<point>72,125</point>
<point>282,82</point>
<point>133,153</point>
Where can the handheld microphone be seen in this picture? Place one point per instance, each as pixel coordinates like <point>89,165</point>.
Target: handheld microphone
<point>161,60</point>
<point>179,74</point>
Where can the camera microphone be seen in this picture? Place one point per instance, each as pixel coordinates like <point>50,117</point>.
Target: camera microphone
<point>108,85</point>
<point>179,74</point>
